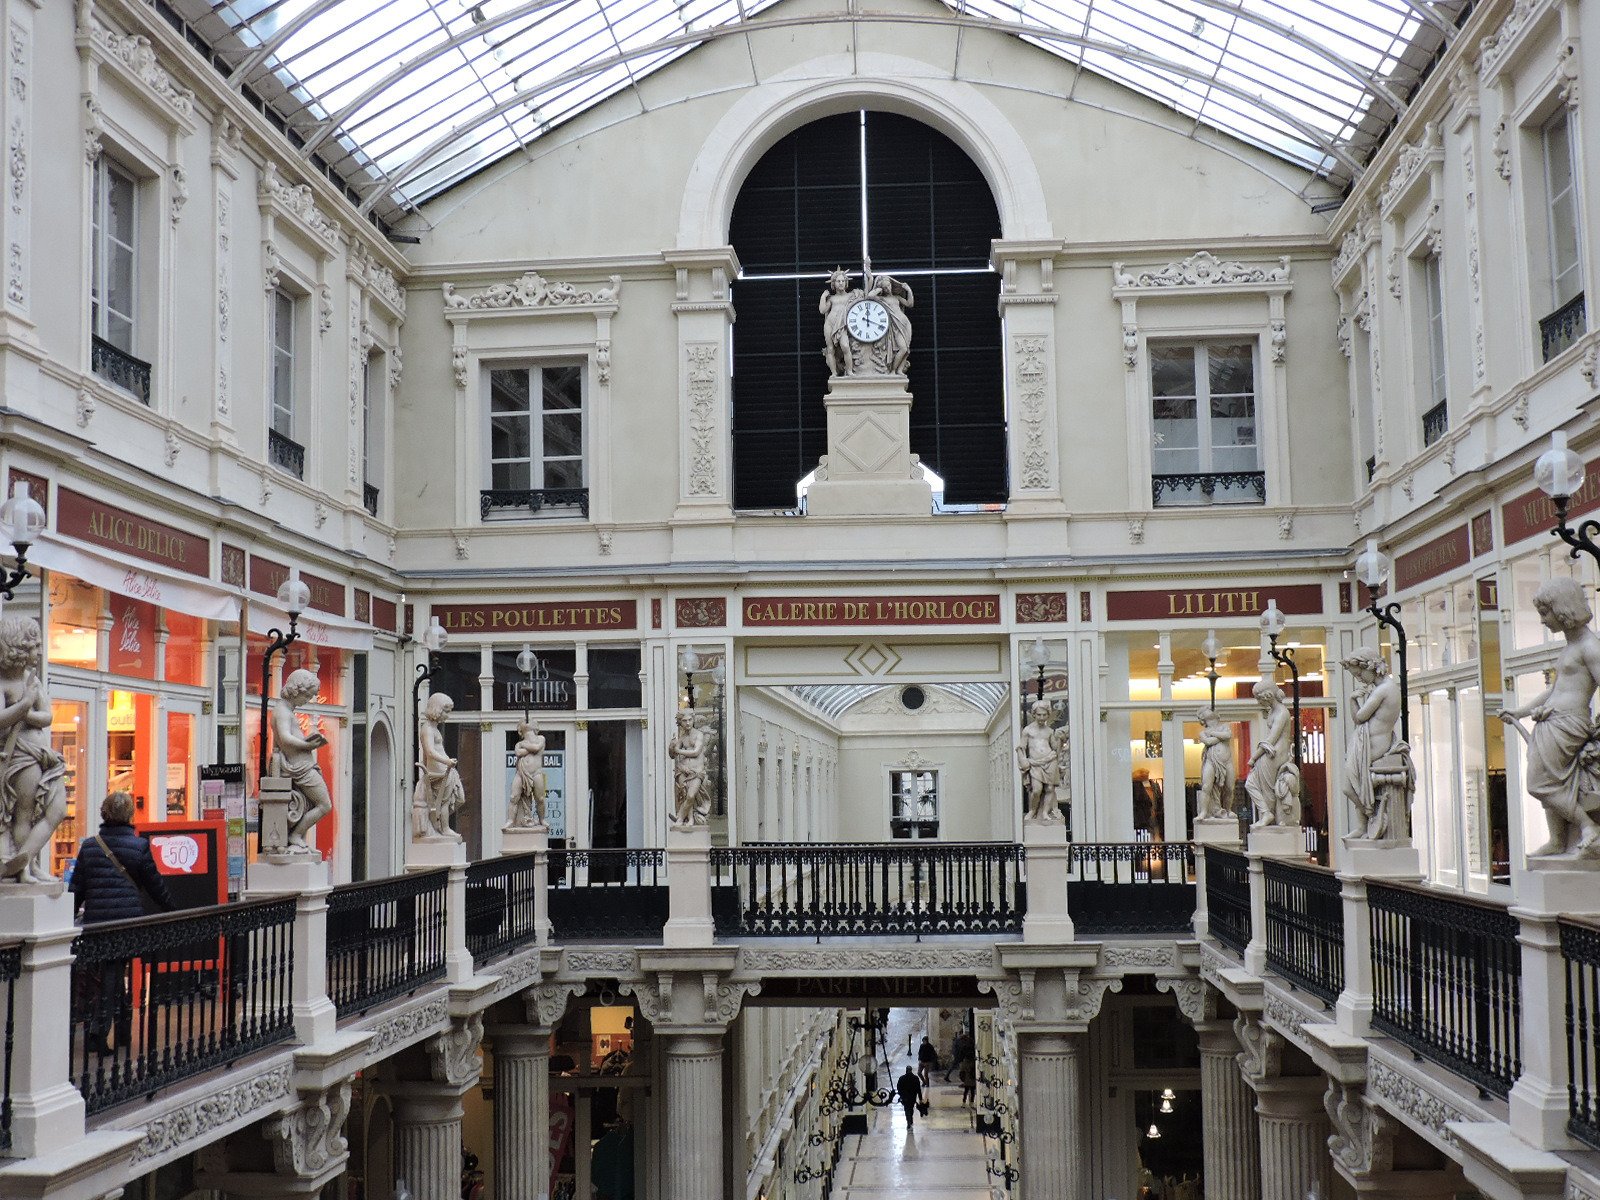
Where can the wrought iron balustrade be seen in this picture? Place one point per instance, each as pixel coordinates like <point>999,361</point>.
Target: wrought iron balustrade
<point>809,890</point>
<point>159,999</point>
<point>120,369</point>
<point>1130,887</point>
<point>369,499</point>
<point>10,972</point>
<point>385,938</point>
<point>501,898</point>
<point>608,893</point>
<point>1580,947</point>
<point>1447,981</point>
<point>286,454</point>
<point>1435,423</point>
<point>1228,897</point>
<point>1305,927</point>
<point>531,500</point>
<point>1563,327</point>
<point>1209,487</point>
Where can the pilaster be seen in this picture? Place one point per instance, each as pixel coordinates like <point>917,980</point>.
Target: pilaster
<point>1353,1012</point>
<point>47,1112</point>
<point>306,878</point>
<point>1028,300</point>
<point>703,304</point>
<point>1231,1144</point>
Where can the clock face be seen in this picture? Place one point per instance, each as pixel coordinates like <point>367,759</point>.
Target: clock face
<point>867,320</point>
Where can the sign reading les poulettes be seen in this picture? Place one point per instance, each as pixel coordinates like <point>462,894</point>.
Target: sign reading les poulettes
<point>538,617</point>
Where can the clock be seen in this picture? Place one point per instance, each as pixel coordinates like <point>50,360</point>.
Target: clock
<point>867,320</point>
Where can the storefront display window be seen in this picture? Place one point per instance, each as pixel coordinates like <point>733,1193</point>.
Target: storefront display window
<point>74,622</point>
<point>549,687</point>
<point>69,734</point>
<point>614,677</point>
<point>1527,573</point>
<point>186,649</point>
<point>131,751</point>
<point>179,782</point>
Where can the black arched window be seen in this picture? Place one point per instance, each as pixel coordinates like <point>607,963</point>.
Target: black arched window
<point>833,193</point>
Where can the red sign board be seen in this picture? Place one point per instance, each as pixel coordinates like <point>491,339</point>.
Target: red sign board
<point>538,618</point>
<point>1444,553</point>
<point>1248,601</point>
<point>116,528</point>
<point>767,611</point>
<point>385,614</point>
<point>1532,512</point>
<point>266,577</point>
<point>1482,534</point>
<point>133,637</point>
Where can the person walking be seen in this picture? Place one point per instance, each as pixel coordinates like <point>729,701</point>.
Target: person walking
<point>909,1089</point>
<point>969,1079</point>
<point>958,1051</point>
<point>927,1061</point>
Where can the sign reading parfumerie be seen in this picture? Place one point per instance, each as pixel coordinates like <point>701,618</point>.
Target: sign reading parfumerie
<point>768,611</point>
<point>542,617</point>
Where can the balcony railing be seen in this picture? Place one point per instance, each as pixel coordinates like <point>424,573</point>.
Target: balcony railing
<point>608,893</point>
<point>1212,487</point>
<point>10,972</point>
<point>531,500</point>
<point>1131,887</point>
<point>1305,927</point>
<point>1580,947</point>
<point>1563,327</point>
<point>1228,897</point>
<point>501,905</point>
<point>120,369</point>
<point>159,999</point>
<point>369,499</point>
<point>862,889</point>
<point>286,454</point>
<point>1435,423</point>
<point>385,938</point>
<point>1447,981</point>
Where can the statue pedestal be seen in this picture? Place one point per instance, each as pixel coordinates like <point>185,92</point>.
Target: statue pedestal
<point>1279,841</point>
<point>1381,858</point>
<point>275,795</point>
<point>871,471</point>
<point>1560,883</point>
<point>1049,858</point>
<point>430,853</point>
<point>1216,831</point>
<point>689,921</point>
<point>524,839</point>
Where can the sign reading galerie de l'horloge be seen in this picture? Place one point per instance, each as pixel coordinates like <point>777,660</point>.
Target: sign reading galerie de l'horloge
<point>769,611</point>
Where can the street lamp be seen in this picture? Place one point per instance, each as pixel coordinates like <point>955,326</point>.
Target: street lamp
<point>1037,656</point>
<point>527,663</point>
<point>689,660</point>
<point>1371,569</point>
<point>433,639</point>
<point>1559,474</point>
<point>1212,649</point>
<point>1272,624</point>
<point>21,521</point>
<point>294,595</point>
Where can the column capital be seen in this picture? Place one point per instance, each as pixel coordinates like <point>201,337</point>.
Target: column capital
<point>1261,1050</point>
<point>706,999</point>
<point>453,1055</point>
<point>1362,1141</point>
<point>1049,995</point>
<point>546,1003</point>
<point>1290,1097</point>
<point>519,1041</point>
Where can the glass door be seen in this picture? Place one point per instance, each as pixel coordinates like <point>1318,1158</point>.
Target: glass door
<point>183,756</point>
<point>131,752</point>
<point>70,737</point>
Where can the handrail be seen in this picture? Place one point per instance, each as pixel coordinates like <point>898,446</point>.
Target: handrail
<point>1228,897</point>
<point>1305,926</point>
<point>386,937</point>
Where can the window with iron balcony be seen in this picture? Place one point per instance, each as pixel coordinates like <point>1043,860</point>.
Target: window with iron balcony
<point>536,443</point>
<point>113,279</point>
<point>1203,422</point>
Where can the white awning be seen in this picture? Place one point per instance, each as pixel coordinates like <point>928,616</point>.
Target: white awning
<point>135,579</point>
<point>320,629</point>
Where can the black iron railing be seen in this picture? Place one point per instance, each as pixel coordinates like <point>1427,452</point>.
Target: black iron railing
<point>1209,487</point>
<point>369,499</point>
<point>120,369</point>
<point>531,500</point>
<point>1305,927</point>
<point>1563,327</point>
<point>159,999</point>
<point>1580,947</point>
<point>608,893</point>
<point>1131,887</point>
<point>501,894</point>
<point>1447,981</point>
<point>1228,897</point>
<point>385,938</point>
<point>805,890</point>
<point>1435,423</point>
<point>10,972</point>
<point>286,454</point>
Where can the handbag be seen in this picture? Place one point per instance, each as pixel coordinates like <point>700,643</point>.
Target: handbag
<point>922,1107</point>
<point>146,900</point>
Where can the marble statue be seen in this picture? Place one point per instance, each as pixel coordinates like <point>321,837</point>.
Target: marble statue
<point>887,354</point>
<point>294,757</point>
<point>1038,758</point>
<point>1563,758</point>
<point>1378,775</point>
<point>439,794</point>
<point>33,796</point>
<point>528,788</point>
<point>1273,783</point>
<point>688,753</point>
<point>1217,773</point>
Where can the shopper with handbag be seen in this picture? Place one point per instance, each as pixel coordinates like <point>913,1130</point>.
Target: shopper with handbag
<point>909,1089</point>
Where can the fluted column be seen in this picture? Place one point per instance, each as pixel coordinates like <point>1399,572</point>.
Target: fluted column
<point>427,1138</point>
<point>1231,1145</point>
<point>693,1108</point>
<point>1052,1143</point>
<point>1294,1138</point>
<point>521,1110</point>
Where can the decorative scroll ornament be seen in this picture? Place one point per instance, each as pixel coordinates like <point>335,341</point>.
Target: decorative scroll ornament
<point>380,280</point>
<point>1362,1141</point>
<point>654,998</point>
<point>1409,1099</point>
<point>1392,272</point>
<point>1494,48</point>
<point>307,1140</point>
<point>1500,147</point>
<point>458,363</point>
<point>396,367</point>
<point>532,290</point>
<point>271,265</point>
<point>866,960</point>
<point>1411,159</point>
<point>1278,339</point>
<point>1136,530</point>
<point>1202,269</point>
<point>1195,1000</point>
<point>297,200</point>
<point>324,308</point>
<point>404,1027</point>
<point>136,53</point>
<point>453,1054</point>
<point>169,453</point>
<point>1591,361</point>
<point>1567,74</point>
<point>722,999</point>
<point>546,1003</point>
<point>94,128</point>
<point>600,962</point>
<point>1041,608</point>
<point>1137,956</point>
<point>602,361</point>
<point>1342,332</point>
<point>85,407</point>
<point>1261,1050</point>
<point>1083,1001</point>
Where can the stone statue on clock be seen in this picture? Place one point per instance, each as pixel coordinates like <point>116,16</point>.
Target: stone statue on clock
<point>865,330</point>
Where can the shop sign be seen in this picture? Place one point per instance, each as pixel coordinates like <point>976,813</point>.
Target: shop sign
<point>550,687</point>
<point>266,577</point>
<point>1432,559</point>
<point>766,611</point>
<point>133,637</point>
<point>538,617</point>
<point>554,765</point>
<point>90,520</point>
<point>1251,601</point>
<point>844,988</point>
<point>1533,512</point>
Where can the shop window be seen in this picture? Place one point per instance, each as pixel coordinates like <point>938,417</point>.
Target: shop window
<point>75,609</point>
<point>454,673</point>
<point>1528,572</point>
<point>186,649</point>
<point>549,687</point>
<point>914,804</point>
<point>614,677</point>
<point>1203,411</point>
<point>113,278</point>
<point>1566,320</point>
<point>536,441</point>
<point>181,760</point>
<point>325,662</point>
<point>131,751</point>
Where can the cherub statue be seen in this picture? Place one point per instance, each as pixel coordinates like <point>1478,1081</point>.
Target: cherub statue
<point>1378,775</point>
<point>1217,774</point>
<point>688,753</point>
<point>294,757</point>
<point>33,798</point>
<point>1275,802</point>
<point>1038,758</point>
<point>439,794</point>
<point>837,347</point>
<point>528,788</point>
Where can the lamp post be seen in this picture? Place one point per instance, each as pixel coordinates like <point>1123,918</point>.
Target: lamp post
<point>294,595</point>
<point>527,663</point>
<point>21,521</point>
<point>1272,624</point>
<point>1212,649</point>
<point>1559,474</point>
<point>689,660</point>
<point>434,638</point>
<point>1037,657</point>
<point>1371,569</point>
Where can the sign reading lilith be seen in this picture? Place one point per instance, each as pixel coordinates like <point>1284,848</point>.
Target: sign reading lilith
<point>865,330</point>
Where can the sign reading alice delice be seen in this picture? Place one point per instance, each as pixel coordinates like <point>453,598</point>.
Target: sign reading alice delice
<point>766,611</point>
<point>113,526</point>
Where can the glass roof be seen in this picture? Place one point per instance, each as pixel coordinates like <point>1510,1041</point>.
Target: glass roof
<point>833,699</point>
<point>402,98</point>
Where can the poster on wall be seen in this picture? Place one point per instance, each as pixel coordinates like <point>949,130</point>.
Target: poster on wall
<point>555,780</point>
<point>222,787</point>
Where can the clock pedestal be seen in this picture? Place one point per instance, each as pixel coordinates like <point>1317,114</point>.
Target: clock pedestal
<point>870,470</point>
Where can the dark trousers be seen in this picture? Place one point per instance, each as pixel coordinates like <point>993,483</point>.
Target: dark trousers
<point>909,1103</point>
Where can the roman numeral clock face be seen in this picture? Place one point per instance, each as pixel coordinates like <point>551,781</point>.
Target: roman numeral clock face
<point>867,320</point>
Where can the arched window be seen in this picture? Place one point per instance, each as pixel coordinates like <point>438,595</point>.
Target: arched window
<point>834,193</point>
